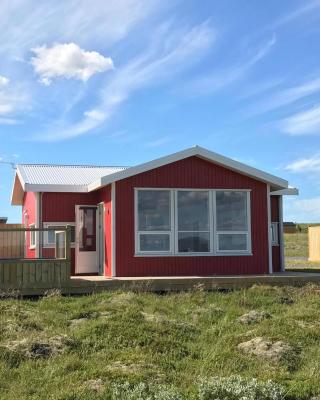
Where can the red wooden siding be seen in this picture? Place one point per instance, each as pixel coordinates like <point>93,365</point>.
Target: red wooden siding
<point>192,172</point>
<point>60,207</point>
<point>276,256</point>
<point>29,210</point>
<point>104,195</point>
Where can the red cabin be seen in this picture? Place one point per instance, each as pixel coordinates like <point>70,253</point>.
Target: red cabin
<point>192,213</point>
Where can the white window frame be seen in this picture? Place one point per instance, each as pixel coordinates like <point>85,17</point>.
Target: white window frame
<point>247,232</point>
<point>176,227</point>
<point>32,237</point>
<point>139,233</point>
<point>47,245</point>
<point>213,234</point>
<point>274,233</point>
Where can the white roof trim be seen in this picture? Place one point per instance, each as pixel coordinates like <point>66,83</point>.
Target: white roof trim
<point>193,151</point>
<point>288,192</point>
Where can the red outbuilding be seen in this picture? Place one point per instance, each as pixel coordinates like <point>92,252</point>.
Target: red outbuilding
<point>192,213</point>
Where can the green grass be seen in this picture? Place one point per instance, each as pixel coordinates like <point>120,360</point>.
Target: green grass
<point>296,252</point>
<point>179,339</point>
<point>296,244</point>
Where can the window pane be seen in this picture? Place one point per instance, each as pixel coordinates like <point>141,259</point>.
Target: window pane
<point>231,211</point>
<point>51,234</point>
<point>193,242</point>
<point>154,210</point>
<point>232,241</point>
<point>154,242</point>
<point>193,210</point>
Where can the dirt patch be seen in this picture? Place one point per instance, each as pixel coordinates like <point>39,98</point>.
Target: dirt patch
<point>273,351</point>
<point>130,368</point>
<point>156,317</point>
<point>87,317</point>
<point>96,385</point>
<point>253,317</point>
<point>77,321</point>
<point>122,298</point>
<point>286,300</point>
<point>42,348</point>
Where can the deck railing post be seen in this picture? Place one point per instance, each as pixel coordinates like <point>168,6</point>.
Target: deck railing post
<point>68,243</point>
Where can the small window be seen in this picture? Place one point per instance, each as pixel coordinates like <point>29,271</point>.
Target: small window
<point>50,237</point>
<point>154,226</point>
<point>32,242</point>
<point>274,234</point>
<point>232,221</point>
<point>193,221</point>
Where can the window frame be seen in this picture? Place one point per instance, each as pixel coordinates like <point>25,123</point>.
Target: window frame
<point>213,235</point>
<point>32,237</point>
<point>247,232</point>
<point>176,226</point>
<point>274,227</point>
<point>139,233</point>
<point>47,245</point>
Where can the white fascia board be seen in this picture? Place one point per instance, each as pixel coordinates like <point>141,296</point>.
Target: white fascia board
<point>193,151</point>
<point>56,188</point>
<point>286,192</point>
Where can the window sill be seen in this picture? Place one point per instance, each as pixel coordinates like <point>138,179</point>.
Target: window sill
<point>32,247</point>
<point>220,254</point>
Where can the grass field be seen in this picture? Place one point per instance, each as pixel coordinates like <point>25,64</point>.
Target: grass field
<point>174,340</point>
<point>296,252</point>
<point>78,348</point>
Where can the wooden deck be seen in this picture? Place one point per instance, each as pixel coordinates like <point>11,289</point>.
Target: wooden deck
<point>93,284</point>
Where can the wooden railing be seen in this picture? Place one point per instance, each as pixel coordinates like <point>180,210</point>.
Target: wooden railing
<point>35,273</point>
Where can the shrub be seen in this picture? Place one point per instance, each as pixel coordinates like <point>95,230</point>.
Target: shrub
<point>237,388</point>
<point>143,391</point>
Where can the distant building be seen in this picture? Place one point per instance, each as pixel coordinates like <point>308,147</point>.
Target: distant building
<point>289,227</point>
<point>3,220</point>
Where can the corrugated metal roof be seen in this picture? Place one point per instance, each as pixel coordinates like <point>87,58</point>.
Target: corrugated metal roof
<point>74,175</point>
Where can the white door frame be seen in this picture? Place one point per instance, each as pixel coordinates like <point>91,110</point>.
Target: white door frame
<point>101,237</point>
<point>94,257</point>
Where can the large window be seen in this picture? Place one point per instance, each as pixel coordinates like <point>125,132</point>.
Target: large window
<point>185,221</point>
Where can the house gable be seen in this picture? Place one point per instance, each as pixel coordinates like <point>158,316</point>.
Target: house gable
<point>217,159</point>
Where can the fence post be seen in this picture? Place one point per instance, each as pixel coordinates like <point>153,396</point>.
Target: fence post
<point>68,243</point>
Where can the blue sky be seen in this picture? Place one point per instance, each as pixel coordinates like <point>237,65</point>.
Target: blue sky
<point>125,81</point>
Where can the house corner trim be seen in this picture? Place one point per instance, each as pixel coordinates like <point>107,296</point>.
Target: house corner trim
<point>113,229</point>
<point>269,230</point>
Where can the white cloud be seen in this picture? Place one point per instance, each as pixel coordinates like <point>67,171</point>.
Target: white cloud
<point>285,97</point>
<point>14,98</point>
<point>28,23</point>
<point>222,78</point>
<point>3,81</point>
<point>303,123</point>
<point>68,61</point>
<point>8,121</point>
<point>302,210</point>
<point>168,53</point>
<point>311,164</point>
<point>307,8</point>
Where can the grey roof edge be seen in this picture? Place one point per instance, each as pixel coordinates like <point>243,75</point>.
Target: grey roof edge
<point>192,151</point>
